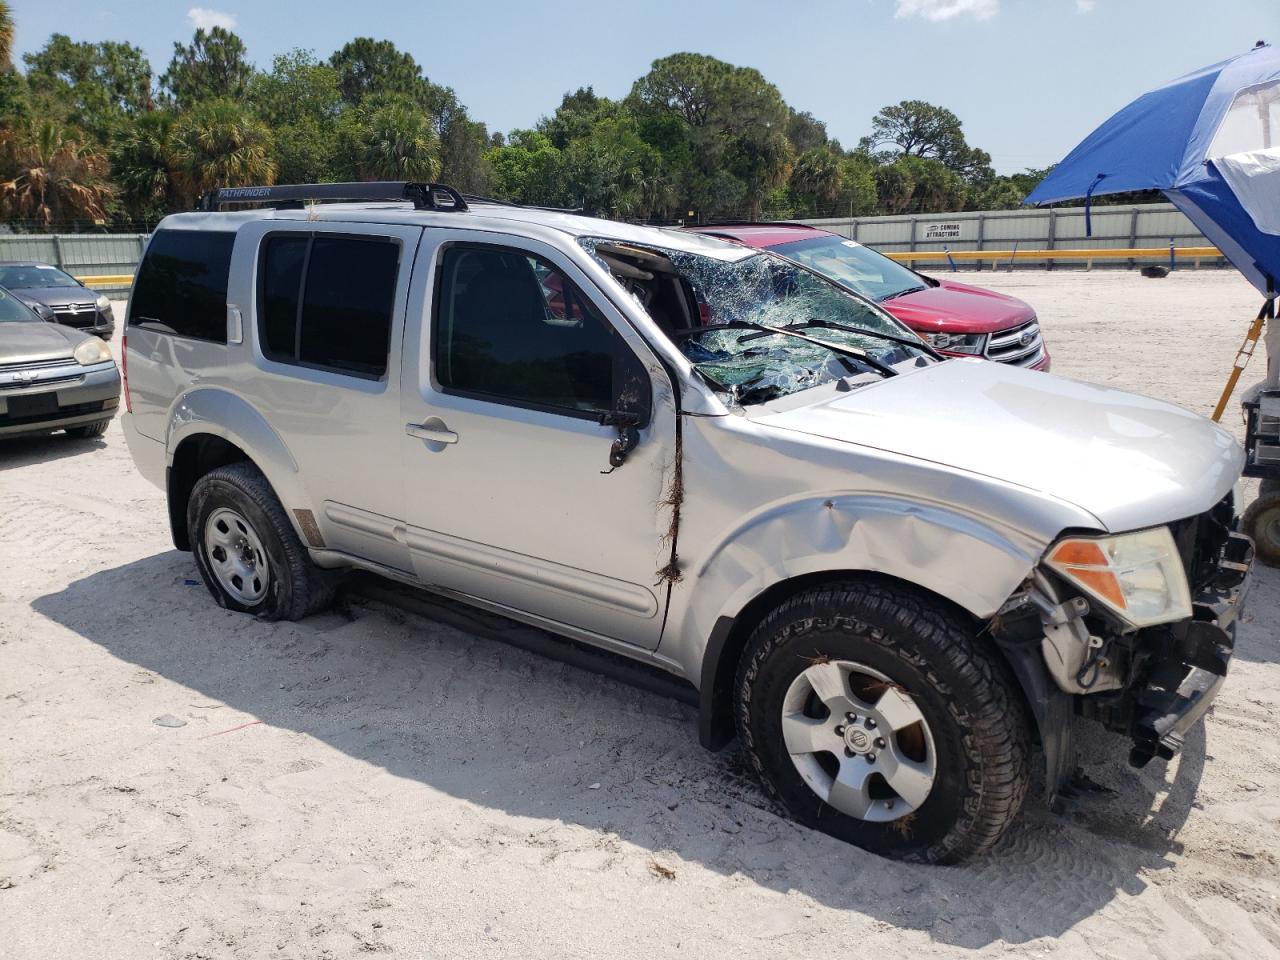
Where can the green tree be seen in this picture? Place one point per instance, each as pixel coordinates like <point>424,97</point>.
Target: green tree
<point>367,67</point>
<point>141,166</point>
<point>213,66</point>
<point>49,173</point>
<point>611,170</point>
<point>300,99</point>
<point>390,137</point>
<point>817,178</point>
<point>91,85</point>
<point>920,129</point>
<point>805,131</point>
<point>217,143</point>
<point>528,168</point>
<point>736,123</point>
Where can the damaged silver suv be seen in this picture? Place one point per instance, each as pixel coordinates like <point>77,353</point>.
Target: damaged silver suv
<point>889,574</point>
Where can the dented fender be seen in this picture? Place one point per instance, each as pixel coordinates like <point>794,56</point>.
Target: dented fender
<point>957,556</point>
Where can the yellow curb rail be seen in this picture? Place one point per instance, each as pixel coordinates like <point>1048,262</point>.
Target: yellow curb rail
<point>107,281</point>
<point>1192,255</point>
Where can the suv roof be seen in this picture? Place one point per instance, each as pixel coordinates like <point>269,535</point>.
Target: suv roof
<point>473,212</point>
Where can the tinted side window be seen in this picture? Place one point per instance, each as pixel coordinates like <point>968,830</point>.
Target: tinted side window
<point>511,327</point>
<point>326,301</point>
<point>181,287</point>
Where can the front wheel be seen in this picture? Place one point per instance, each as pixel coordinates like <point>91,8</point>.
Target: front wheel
<point>247,552</point>
<point>875,715</point>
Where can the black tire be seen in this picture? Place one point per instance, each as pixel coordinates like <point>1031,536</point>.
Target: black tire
<point>1262,522</point>
<point>295,586</point>
<point>977,720</point>
<point>89,431</point>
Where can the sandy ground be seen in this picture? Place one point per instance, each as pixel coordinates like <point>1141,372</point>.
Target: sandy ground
<point>369,781</point>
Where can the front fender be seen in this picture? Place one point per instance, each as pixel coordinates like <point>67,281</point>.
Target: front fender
<point>972,562</point>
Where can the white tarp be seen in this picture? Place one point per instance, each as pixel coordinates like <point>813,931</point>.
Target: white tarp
<point>1254,177</point>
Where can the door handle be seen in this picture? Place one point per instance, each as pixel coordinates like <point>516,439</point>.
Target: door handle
<point>432,429</point>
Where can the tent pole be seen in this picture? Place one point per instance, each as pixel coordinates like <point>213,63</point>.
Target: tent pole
<point>1243,355</point>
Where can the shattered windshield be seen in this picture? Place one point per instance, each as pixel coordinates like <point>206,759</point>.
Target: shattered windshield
<point>714,309</point>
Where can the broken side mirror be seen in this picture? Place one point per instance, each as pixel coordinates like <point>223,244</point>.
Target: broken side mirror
<point>628,425</point>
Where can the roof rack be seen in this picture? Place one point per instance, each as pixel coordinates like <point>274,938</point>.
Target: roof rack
<point>425,196</point>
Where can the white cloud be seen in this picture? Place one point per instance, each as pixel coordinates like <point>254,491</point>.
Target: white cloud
<point>940,10</point>
<point>203,18</point>
<point>1085,6</point>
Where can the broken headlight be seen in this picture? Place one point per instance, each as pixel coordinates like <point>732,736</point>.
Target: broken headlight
<point>1138,576</point>
<point>969,343</point>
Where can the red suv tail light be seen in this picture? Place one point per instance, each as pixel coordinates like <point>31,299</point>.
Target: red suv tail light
<point>124,371</point>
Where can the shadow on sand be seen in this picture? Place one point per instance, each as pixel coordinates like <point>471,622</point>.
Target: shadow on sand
<point>503,728</point>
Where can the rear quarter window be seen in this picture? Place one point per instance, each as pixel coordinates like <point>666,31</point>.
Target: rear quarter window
<point>181,287</point>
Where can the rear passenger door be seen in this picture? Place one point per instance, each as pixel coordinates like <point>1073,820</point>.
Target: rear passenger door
<point>321,356</point>
<point>508,492</point>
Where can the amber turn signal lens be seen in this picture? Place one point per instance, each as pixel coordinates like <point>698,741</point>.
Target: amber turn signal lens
<point>1084,562</point>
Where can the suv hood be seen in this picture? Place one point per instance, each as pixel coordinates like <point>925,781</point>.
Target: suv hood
<point>952,307</point>
<point>37,340</point>
<point>1129,460</point>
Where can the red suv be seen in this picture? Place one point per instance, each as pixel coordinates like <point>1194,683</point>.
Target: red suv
<point>954,317</point>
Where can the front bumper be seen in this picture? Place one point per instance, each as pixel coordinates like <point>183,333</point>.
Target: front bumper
<point>59,398</point>
<point>1190,660</point>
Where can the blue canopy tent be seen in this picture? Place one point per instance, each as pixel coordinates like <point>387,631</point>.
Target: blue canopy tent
<point>1211,142</point>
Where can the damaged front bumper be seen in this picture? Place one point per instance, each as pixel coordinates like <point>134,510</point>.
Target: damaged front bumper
<point>1186,662</point>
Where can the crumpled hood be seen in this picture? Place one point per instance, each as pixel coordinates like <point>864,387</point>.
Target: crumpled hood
<point>1129,460</point>
<point>37,340</point>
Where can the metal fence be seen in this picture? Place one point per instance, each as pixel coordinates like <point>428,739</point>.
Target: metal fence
<point>84,255</point>
<point>88,255</point>
<point>1148,225</point>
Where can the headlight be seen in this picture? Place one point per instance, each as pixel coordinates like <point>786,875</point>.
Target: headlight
<point>92,351</point>
<point>973,343</point>
<point>1138,576</point>
<point>104,303</point>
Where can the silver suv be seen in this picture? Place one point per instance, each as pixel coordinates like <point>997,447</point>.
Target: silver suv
<point>890,575</point>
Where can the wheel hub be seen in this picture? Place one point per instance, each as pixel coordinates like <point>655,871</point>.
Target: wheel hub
<point>236,556</point>
<point>859,741</point>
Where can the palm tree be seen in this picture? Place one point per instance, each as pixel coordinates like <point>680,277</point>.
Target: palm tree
<point>141,165</point>
<point>218,144</point>
<point>6,37</point>
<point>399,142</point>
<point>48,173</point>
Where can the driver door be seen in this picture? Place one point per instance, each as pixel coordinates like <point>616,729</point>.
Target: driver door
<point>509,495</point>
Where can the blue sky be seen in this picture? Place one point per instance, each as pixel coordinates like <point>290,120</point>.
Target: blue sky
<point>1029,78</point>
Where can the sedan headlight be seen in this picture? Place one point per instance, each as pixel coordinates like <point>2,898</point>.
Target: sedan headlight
<point>91,351</point>
<point>972,343</point>
<point>1138,576</point>
<point>104,302</point>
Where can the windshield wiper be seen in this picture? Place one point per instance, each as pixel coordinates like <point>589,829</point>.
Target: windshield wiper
<point>915,344</point>
<point>903,293</point>
<point>840,350</point>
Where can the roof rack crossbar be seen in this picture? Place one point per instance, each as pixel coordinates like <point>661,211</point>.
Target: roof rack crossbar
<point>424,196</point>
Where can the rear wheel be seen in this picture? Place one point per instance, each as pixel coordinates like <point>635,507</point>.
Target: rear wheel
<point>875,715</point>
<point>1262,522</point>
<point>246,549</point>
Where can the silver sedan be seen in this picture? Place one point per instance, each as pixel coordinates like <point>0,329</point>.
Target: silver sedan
<point>52,377</point>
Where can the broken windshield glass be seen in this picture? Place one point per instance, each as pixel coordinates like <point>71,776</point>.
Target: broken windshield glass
<point>694,299</point>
